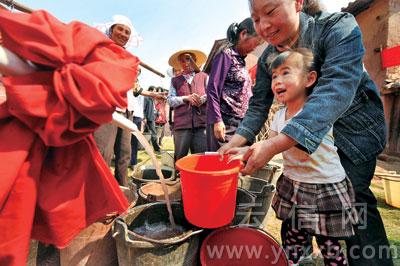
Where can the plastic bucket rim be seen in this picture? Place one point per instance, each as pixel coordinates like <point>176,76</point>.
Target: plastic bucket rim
<point>240,226</point>
<point>231,171</point>
<point>389,178</point>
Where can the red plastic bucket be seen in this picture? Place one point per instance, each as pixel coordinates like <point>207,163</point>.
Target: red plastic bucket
<point>241,246</point>
<point>209,187</point>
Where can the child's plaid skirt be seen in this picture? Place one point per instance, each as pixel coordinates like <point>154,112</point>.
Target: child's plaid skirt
<point>320,209</point>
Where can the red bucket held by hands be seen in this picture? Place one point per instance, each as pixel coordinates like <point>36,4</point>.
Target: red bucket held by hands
<point>209,187</point>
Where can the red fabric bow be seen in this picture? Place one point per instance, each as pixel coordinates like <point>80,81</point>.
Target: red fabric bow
<point>54,181</point>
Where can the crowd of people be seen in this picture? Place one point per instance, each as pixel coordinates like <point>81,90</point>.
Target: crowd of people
<point>327,165</point>
<point>329,154</point>
<point>330,132</point>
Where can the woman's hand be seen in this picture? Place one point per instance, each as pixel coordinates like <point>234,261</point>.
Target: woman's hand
<point>219,131</point>
<point>236,141</point>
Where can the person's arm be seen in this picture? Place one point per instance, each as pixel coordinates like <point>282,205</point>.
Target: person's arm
<point>219,71</point>
<point>146,108</point>
<point>203,98</point>
<point>247,151</point>
<point>153,95</point>
<point>260,153</point>
<point>340,76</point>
<point>137,90</point>
<point>173,99</point>
<point>258,110</point>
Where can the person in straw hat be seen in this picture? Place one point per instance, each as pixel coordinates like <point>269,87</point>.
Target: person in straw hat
<point>188,98</point>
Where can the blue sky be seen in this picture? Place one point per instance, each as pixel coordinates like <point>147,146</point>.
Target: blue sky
<point>166,26</point>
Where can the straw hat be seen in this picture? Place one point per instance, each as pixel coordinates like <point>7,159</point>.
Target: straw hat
<point>201,58</point>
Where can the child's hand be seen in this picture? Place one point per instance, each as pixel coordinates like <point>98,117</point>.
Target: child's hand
<point>237,153</point>
<point>257,156</point>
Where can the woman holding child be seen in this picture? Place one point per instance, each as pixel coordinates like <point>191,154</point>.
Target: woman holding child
<point>344,105</point>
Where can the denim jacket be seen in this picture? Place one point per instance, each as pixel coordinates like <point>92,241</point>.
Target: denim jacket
<point>345,97</point>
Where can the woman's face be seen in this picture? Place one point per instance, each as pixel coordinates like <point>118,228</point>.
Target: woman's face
<point>120,34</point>
<point>277,21</point>
<point>247,43</point>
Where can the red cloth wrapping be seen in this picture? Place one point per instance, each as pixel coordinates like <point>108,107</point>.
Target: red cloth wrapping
<point>391,57</point>
<point>54,181</point>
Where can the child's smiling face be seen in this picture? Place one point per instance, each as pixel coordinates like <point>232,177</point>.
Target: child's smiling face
<point>290,80</point>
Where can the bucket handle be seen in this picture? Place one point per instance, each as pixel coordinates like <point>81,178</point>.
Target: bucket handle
<point>155,241</point>
<point>265,189</point>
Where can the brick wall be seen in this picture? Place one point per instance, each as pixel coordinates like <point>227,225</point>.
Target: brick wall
<point>393,73</point>
<point>374,26</point>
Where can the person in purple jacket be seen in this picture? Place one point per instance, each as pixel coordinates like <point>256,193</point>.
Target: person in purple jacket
<point>229,86</point>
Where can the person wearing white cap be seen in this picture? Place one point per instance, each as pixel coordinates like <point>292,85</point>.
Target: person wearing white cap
<point>110,139</point>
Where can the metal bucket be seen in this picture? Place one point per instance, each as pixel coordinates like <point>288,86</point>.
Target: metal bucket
<point>94,245</point>
<point>266,173</point>
<point>147,174</point>
<point>136,249</point>
<point>264,191</point>
<point>245,201</point>
<point>153,192</point>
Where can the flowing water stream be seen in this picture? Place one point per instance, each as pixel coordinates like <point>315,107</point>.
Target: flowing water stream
<point>126,124</point>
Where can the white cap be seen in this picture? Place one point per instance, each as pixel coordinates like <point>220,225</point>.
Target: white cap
<point>134,40</point>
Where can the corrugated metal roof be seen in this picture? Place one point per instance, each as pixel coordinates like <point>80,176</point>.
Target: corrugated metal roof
<point>358,6</point>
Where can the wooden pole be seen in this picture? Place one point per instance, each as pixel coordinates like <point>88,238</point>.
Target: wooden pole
<point>152,69</point>
<point>17,6</point>
<point>25,9</point>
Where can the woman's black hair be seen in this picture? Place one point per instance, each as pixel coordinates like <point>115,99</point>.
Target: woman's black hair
<point>235,29</point>
<point>310,7</point>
